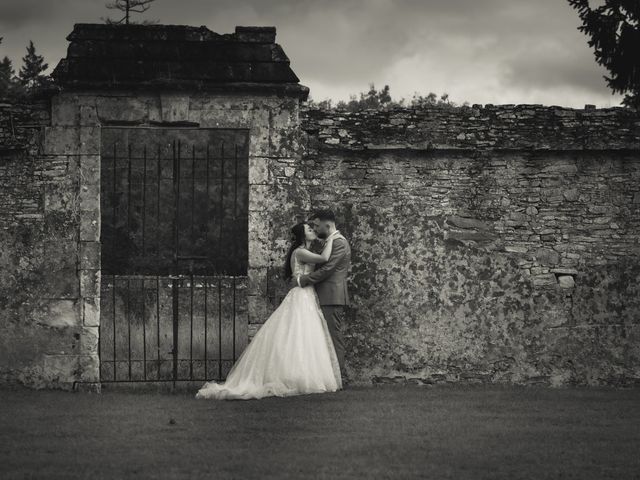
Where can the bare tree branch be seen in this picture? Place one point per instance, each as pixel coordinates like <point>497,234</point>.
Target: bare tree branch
<point>128,7</point>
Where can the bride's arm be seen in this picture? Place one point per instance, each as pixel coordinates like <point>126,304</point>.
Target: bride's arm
<point>309,257</point>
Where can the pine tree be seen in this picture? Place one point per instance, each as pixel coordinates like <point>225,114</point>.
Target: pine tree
<point>8,83</point>
<point>614,29</point>
<point>7,75</point>
<point>30,75</point>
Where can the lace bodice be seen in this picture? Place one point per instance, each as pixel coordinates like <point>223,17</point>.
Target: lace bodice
<point>300,268</point>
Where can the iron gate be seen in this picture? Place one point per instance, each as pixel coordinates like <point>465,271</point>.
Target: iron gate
<point>174,233</point>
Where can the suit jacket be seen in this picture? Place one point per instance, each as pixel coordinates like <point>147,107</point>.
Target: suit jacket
<point>330,278</point>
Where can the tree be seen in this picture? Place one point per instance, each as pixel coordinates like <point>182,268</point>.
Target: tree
<point>9,83</point>
<point>382,99</point>
<point>6,74</point>
<point>128,7</point>
<point>420,101</point>
<point>7,77</point>
<point>31,74</point>
<point>372,99</point>
<point>614,31</point>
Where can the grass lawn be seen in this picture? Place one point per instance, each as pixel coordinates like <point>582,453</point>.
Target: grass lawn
<point>363,432</point>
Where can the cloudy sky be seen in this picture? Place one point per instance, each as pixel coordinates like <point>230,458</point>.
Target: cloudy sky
<point>480,51</point>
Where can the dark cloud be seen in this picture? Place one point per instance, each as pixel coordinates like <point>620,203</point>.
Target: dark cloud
<point>542,68</point>
<point>15,14</point>
<point>489,51</point>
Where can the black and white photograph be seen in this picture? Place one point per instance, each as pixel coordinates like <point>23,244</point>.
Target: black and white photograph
<point>329,239</point>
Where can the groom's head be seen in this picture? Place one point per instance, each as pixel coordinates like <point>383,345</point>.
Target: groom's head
<point>323,222</point>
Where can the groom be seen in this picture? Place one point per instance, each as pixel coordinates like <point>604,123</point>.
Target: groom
<point>330,279</point>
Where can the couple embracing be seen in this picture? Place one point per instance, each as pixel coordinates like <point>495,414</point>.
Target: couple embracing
<point>300,347</point>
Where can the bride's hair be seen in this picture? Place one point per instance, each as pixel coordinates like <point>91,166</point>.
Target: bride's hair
<point>297,239</point>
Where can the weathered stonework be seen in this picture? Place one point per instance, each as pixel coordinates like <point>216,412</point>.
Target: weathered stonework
<point>495,244</point>
<point>513,263</point>
<point>490,243</point>
<point>58,181</point>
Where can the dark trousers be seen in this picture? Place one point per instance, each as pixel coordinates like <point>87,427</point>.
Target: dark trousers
<point>334,315</point>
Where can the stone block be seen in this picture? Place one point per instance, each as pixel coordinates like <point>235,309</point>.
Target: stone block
<point>89,283</point>
<point>518,218</point>
<point>90,139</point>
<point>90,225</point>
<point>91,311</point>
<point>565,271</point>
<point>600,209</point>
<point>257,284</point>
<point>61,141</point>
<point>259,199</point>
<point>546,256</point>
<point>285,135</point>
<point>121,109</point>
<point>90,255</point>
<point>571,194</point>
<point>64,111</point>
<point>544,279</point>
<point>222,115</point>
<point>259,134</point>
<point>174,107</point>
<point>154,109</point>
<point>516,248</point>
<point>59,313</point>
<point>90,170</point>
<point>258,170</point>
<point>464,222</point>
<point>61,368</point>
<point>88,116</point>
<point>566,281</point>
<point>89,368</point>
<point>89,197</point>
<point>89,340</point>
<point>259,251</point>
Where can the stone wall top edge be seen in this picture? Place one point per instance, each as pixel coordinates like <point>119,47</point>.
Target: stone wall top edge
<point>588,109</point>
<point>488,127</point>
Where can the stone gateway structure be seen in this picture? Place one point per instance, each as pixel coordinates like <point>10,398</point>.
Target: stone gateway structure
<point>145,208</point>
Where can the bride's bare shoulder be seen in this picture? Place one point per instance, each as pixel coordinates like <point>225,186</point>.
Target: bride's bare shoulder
<point>297,253</point>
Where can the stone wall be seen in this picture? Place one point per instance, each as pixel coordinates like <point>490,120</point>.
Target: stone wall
<point>45,338</point>
<point>490,244</point>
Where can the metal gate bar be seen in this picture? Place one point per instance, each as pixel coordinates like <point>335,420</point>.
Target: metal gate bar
<point>126,247</point>
<point>152,297</point>
<point>130,265</point>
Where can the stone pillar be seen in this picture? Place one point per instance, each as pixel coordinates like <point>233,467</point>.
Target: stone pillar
<point>74,137</point>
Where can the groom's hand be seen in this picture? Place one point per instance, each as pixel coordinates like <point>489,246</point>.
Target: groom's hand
<point>304,281</point>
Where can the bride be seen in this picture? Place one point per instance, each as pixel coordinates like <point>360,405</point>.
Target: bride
<point>292,353</point>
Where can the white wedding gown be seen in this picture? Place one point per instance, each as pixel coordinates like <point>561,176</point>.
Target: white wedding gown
<point>291,354</point>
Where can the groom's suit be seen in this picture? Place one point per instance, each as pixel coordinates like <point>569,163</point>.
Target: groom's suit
<point>330,282</point>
